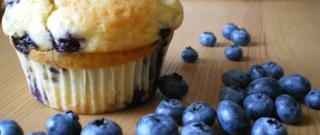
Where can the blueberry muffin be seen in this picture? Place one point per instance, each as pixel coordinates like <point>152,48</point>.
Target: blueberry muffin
<point>91,56</point>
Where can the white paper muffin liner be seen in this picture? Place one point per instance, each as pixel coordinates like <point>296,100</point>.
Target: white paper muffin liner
<point>92,91</point>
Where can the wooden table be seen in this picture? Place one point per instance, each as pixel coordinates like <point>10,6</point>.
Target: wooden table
<point>284,31</point>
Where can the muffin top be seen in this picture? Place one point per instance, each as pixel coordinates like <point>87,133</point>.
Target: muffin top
<point>89,25</point>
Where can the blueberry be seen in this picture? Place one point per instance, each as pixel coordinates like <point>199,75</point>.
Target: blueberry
<point>197,128</point>
<point>232,118</point>
<point>12,2</point>
<point>235,78</point>
<point>273,69</point>
<point>173,86</point>
<point>256,72</point>
<point>228,29</point>
<point>288,109</point>
<point>268,126</point>
<point>265,85</point>
<point>312,99</point>
<point>66,123</point>
<point>207,39</point>
<point>10,127</point>
<point>101,127</point>
<point>164,33</point>
<point>23,43</point>
<point>156,124</point>
<point>233,53</point>
<point>189,55</point>
<point>258,105</point>
<point>67,44</point>
<point>295,85</point>
<point>233,94</point>
<point>199,112</point>
<point>36,133</point>
<point>241,37</point>
<point>171,107</point>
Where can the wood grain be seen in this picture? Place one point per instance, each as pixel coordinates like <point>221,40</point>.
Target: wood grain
<point>284,31</point>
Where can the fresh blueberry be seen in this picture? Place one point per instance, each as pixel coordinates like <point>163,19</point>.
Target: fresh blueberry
<point>173,86</point>
<point>101,127</point>
<point>241,37</point>
<point>12,2</point>
<point>207,39</point>
<point>156,124</point>
<point>265,85</point>
<point>171,107</point>
<point>23,43</point>
<point>258,105</point>
<point>233,53</point>
<point>197,128</point>
<point>256,72</point>
<point>228,29</point>
<point>295,85</point>
<point>10,127</point>
<point>232,118</point>
<point>273,69</point>
<point>189,55</point>
<point>66,123</point>
<point>268,126</point>
<point>199,112</point>
<point>67,44</point>
<point>234,94</point>
<point>36,133</point>
<point>288,109</point>
<point>235,78</point>
<point>312,99</point>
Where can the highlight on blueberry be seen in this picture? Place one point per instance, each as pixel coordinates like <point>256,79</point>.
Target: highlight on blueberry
<point>256,71</point>
<point>10,127</point>
<point>233,53</point>
<point>189,55</point>
<point>173,86</point>
<point>207,39</point>
<point>156,124</point>
<point>197,128</point>
<point>66,123</point>
<point>232,118</point>
<point>273,69</point>
<point>228,29</point>
<point>199,112</point>
<point>288,109</point>
<point>101,127</point>
<point>268,126</point>
<point>265,85</point>
<point>258,105</point>
<point>295,85</point>
<point>171,107</point>
<point>241,37</point>
<point>312,99</point>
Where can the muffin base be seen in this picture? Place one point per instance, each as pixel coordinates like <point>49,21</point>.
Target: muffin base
<point>93,91</point>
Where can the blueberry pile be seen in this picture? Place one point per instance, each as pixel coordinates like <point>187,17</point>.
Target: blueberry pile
<point>65,123</point>
<point>239,37</point>
<point>196,119</point>
<point>263,94</point>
